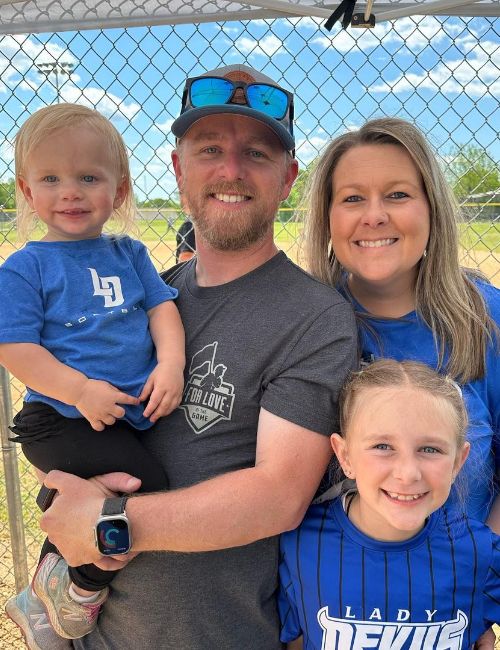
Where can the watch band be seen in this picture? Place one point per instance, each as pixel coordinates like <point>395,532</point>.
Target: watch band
<point>114,505</point>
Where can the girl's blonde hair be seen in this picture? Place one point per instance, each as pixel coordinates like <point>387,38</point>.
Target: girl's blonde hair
<point>45,123</point>
<point>446,297</point>
<point>388,373</point>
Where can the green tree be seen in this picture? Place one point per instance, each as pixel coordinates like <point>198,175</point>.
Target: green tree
<point>8,194</point>
<point>294,200</point>
<point>471,170</point>
<point>158,203</point>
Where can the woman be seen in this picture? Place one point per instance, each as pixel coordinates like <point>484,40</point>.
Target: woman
<point>381,225</point>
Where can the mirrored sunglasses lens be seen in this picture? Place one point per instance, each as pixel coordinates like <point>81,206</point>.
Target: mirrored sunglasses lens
<point>271,101</point>
<point>210,91</point>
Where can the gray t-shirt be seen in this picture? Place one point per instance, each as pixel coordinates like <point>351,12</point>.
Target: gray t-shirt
<point>274,338</point>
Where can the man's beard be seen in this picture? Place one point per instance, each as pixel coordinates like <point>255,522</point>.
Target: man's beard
<point>224,230</point>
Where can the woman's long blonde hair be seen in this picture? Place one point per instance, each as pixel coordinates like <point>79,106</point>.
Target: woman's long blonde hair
<point>51,119</point>
<point>446,298</point>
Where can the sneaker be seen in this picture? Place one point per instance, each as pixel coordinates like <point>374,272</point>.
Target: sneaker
<point>28,613</point>
<point>69,619</point>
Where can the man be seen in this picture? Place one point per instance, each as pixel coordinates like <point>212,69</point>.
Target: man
<point>268,349</point>
<point>185,241</point>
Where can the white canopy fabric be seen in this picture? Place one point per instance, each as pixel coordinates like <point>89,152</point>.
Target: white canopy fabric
<point>35,16</point>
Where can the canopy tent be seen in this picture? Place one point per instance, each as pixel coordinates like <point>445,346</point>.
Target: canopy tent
<point>34,16</point>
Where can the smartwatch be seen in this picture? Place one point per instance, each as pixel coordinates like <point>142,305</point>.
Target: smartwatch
<point>112,530</point>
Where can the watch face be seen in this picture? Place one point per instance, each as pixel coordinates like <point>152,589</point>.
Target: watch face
<point>113,536</point>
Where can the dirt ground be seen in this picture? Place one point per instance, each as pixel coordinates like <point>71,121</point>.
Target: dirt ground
<point>162,254</point>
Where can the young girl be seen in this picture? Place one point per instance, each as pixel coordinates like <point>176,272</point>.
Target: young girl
<point>384,564</point>
<point>90,328</point>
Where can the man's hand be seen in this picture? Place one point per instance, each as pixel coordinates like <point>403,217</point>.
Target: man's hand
<point>486,641</point>
<point>164,388</point>
<point>99,403</point>
<point>70,520</point>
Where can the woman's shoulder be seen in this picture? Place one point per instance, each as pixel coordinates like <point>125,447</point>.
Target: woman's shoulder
<point>491,295</point>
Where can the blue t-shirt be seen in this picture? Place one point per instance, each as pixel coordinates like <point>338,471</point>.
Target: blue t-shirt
<point>409,338</point>
<point>86,302</point>
<point>343,590</point>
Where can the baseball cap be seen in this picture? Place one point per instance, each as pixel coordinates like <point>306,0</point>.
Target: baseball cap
<point>217,91</point>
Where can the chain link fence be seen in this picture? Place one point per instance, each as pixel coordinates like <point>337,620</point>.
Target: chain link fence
<point>441,73</point>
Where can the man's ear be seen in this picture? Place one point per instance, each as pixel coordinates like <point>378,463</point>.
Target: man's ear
<point>177,167</point>
<point>26,190</point>
<point>339,446</point>
<point>291,174</point>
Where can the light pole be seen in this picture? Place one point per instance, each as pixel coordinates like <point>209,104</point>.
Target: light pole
<point>56,68</point>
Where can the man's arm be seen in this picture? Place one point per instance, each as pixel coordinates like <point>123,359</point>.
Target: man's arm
<point>230,510</point>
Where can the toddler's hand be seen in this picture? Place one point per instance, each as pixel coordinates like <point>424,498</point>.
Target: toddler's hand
<point>164,388</point>
<point>99,403</point>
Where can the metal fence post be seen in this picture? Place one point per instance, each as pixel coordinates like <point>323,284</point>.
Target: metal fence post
<point>12,486</point>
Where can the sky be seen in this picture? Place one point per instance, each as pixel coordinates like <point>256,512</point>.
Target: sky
<point>441,73</point>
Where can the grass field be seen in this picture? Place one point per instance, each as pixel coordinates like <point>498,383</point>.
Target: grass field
<point>480,243</point>
<point>483,235</point>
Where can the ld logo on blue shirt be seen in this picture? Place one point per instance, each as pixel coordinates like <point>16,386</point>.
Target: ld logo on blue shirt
<point>108,287</point>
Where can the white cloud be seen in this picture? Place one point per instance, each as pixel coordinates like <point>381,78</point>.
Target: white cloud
<point>18,66</point>
<point>6,74</point>
<point>307,150</point>
<point>166,126</point>
<point>34,83</point>
<point>156,172</point>
<point>19,56</point>
<point>350,126</point>
<point>13,45</point>
<point>230,30</point>
<point>7,154</point>
<point>308,22</point>
<point>415,34</point>
<point>157,163</point>
<point>475,75</point>
<point>344,40</point>
<point>106,103</point>
<point>267,46</point>
<point>164,151</point>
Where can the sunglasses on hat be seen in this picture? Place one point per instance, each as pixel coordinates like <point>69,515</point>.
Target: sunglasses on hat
<point>210,91</point>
